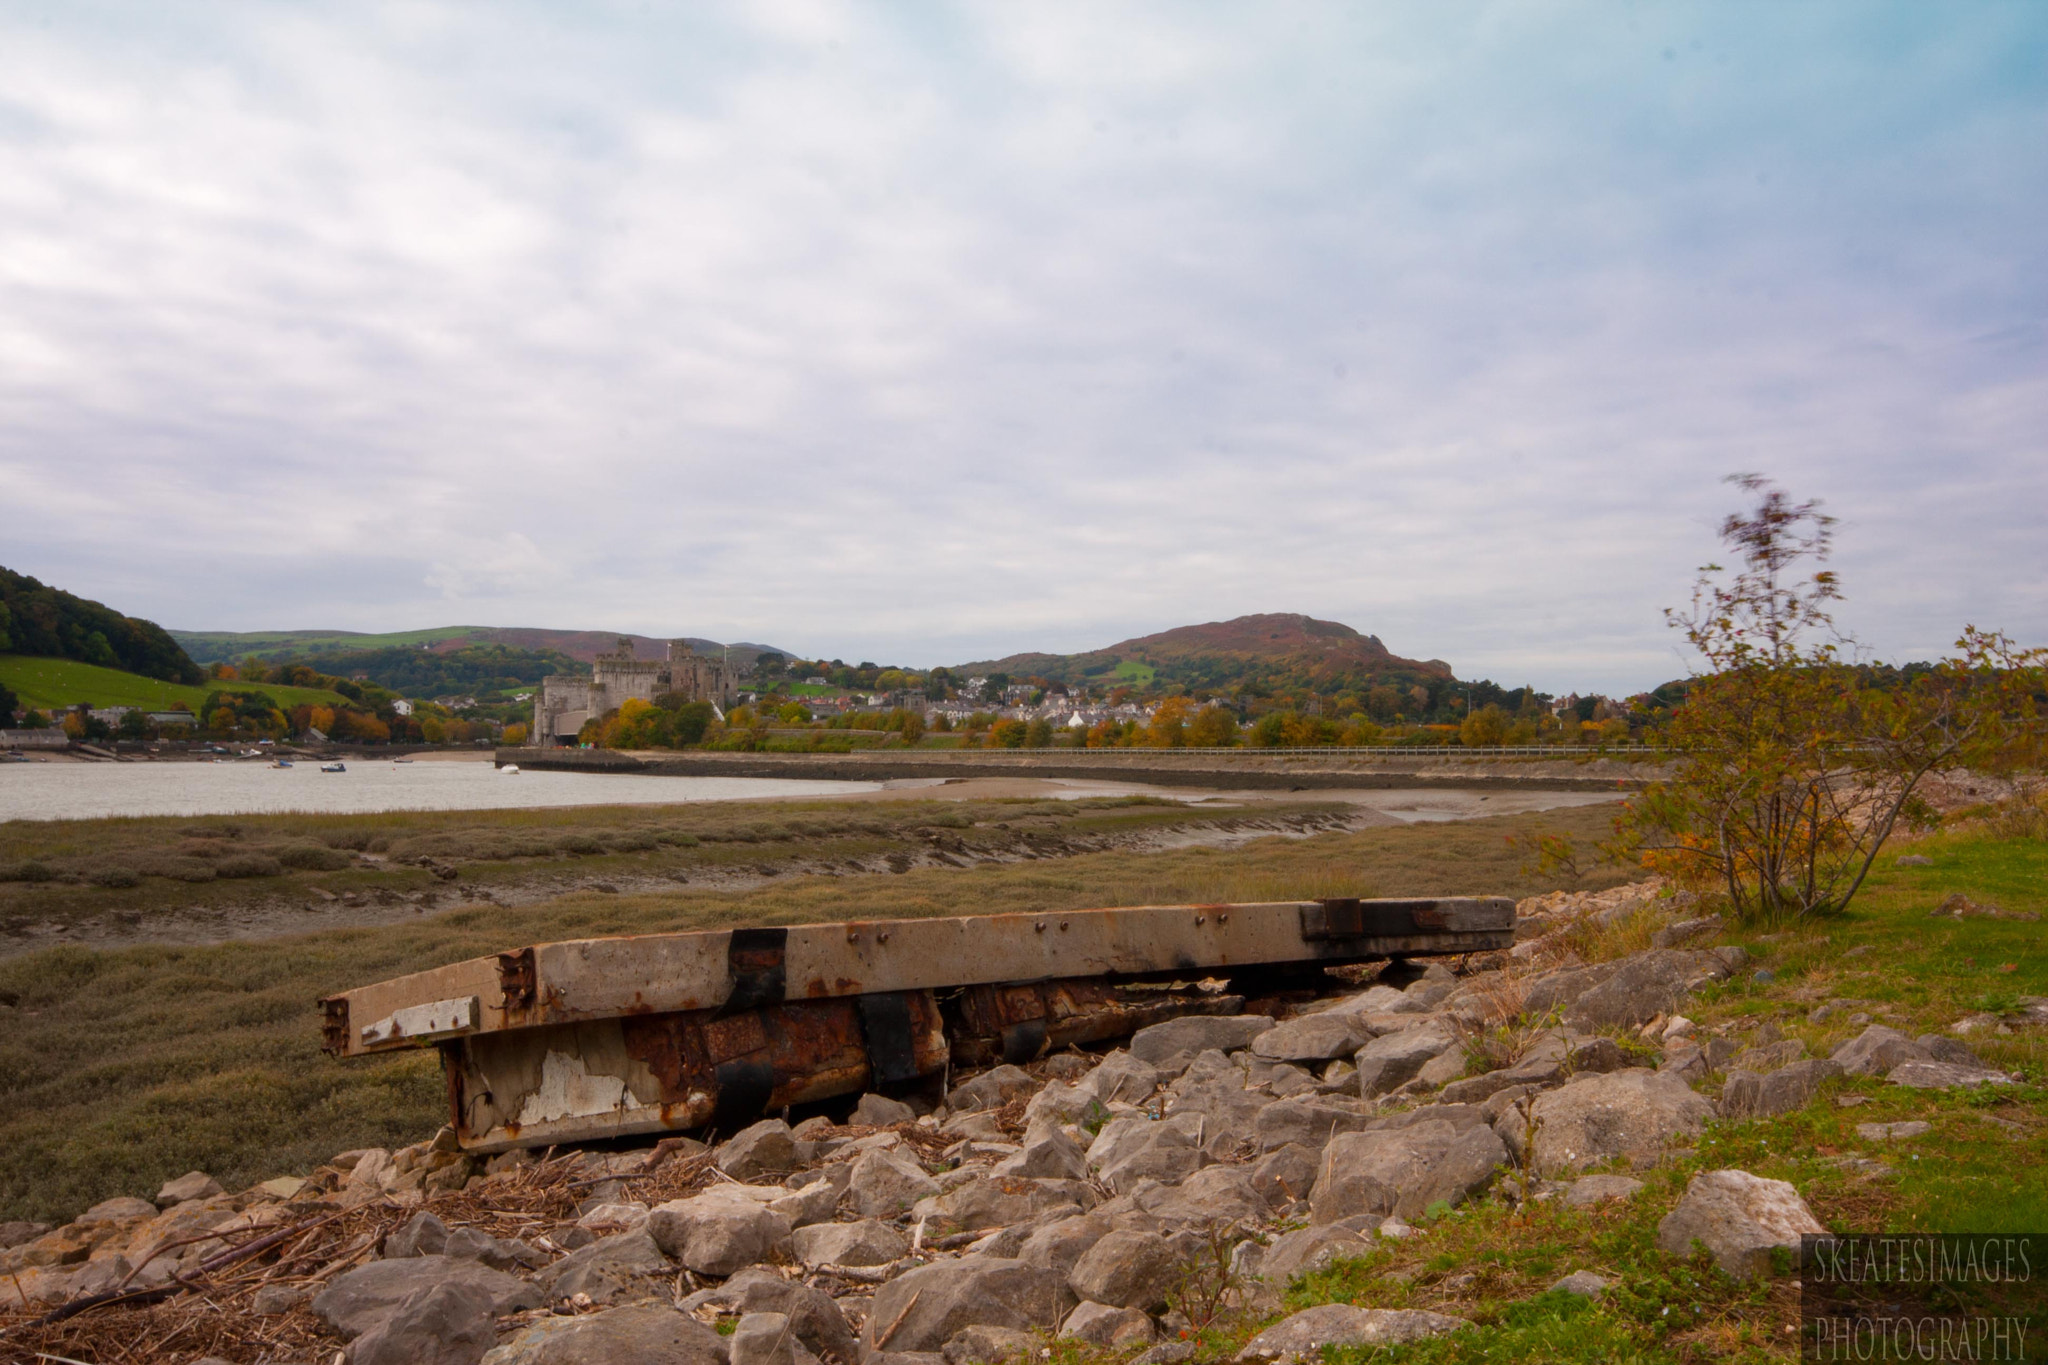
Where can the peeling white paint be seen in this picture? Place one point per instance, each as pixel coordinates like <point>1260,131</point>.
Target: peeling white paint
<point>568,1090</point>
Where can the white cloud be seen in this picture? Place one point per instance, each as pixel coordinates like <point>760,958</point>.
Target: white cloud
<point>947,332</point>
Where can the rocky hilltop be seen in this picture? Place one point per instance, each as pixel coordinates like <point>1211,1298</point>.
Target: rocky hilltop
<point>1196,1193</point>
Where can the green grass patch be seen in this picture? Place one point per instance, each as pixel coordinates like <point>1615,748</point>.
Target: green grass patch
<point>1135,671</point>
<point>48,684</point>
<point>209,646</point>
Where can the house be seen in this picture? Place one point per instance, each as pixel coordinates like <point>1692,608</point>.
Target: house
<point>401,707</point>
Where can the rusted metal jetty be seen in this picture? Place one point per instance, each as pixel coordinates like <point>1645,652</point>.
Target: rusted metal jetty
<point>606,1037</point>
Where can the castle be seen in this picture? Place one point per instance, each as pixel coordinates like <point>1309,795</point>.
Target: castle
<point>563,704</point>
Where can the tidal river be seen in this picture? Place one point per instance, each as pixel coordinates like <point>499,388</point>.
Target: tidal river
<point>86,791</point>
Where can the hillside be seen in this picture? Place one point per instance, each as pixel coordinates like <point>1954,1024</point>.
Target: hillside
<point>37,619</point>
<point>1274,650</point>
<point>47,684</point>
<point>211,646</point>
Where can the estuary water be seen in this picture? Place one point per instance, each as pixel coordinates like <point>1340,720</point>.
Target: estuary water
<point>86,791</point>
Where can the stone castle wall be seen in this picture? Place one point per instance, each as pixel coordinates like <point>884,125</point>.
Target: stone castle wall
<point>564,704</point>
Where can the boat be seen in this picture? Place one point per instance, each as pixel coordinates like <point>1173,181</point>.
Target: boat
<point>510,770</point>
<point>333,767</point>
<point>282,763</point>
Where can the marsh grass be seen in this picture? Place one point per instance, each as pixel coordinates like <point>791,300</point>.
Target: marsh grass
<point>122,1068</point>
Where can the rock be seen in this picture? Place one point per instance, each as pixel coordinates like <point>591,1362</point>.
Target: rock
<point>1099,1324</point>
<point>357,1300</point>
<point>1127,1269</point>
<point>1634,1113</point>
<point>1312,1038</point>
<point>1212,1195</point>
<point>1060,1103</point>
<point>1684,931</point>
<point>1948,1050</point>
<point>995,1201</point>
<point>1133,1149</point>
<point>273,1300</point>
<point>20,1234</point>
<point>886,1184</point>
<point>982,1345</point>
<point>1303,1336</point>
<point>762,1339</point>
<point>1306,1122</point>
<point>474,1244</point>
<point>285,1187</point>
<point>1745,1094</point>
<point>1943,1075</point>
<point>820,1325</point>
<point>1286,1174</point>
<point>609,1218</point>
<point>605,1269</point>
<point>717,1234</point>
<point>1403,1171</point>
<point>191,1185</point>
<point>1582,1282</point>
<point>808,1204</point>
<point>645,1334</point>
<point>1740,1218</point>
<point>1310,1249</point>
<point>1589,1190</point>
<point>763,1149</point>
<point>121,1211</point>
<point>879,1111</point>
<point>1166,1353</point>
<point>1197,1034</point>
<point>1642,987</point>
<point>1889,1132</point>
<point>1393,1059</point>
<point>992,1089</point>
<point>867,1242</point>
<point>1597,1056</point>
<point>420,1235</point>
<point>1059,1244</point>
<point>1877,1050</point>
<point>1048,1155</point>
<point>449,1323</point>
<point>1763,976</point>
<point>1123,1076</point>
<point>923,1309</point>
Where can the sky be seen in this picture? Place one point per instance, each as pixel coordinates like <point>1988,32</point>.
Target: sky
<point>928,333</point>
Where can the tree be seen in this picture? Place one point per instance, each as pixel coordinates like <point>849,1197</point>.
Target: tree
<point>1212,728</point>
<point>1796,761</point>
<point>1008,734</point>
<point>1168,727</point>
<point>8,701</point>
<point>515,735</point>
<point>1484,728</point>
<point>1038,735</point>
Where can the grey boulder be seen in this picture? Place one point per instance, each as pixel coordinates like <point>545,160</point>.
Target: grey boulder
<point>1303,1336</point>
<point>1312,1038</point>
<point>1310,1249</point>
<point>448,1323</point>
<point>884,1184</point>
<point>1196,1035</point>
<point>1099,1324</point>
<point>922,1310</point>
<point>1127,1269</point>
<point>1393,1059</point>
<point>1740,1219</point>
<point>1877,1050</point>
<point>867,1242</point>
<point>357,1300</point>
<point>605,1269</point>
<point>1403,1171</point>
<point>715,1234</point>
<point>765,1148</point>
<point>1633,1113</point>
<point>645,1334</point>
<point>1305,1121</point>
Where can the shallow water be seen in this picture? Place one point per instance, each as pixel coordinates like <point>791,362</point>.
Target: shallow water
<point>86,791</point>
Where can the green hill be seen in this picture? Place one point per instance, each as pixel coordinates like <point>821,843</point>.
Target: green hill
<point>38,619</point>
<point>47,684</point>
<point>229,646</point>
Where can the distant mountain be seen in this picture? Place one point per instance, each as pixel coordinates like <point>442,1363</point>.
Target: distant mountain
<point>36,619</point>
<point>1271,650</point>
<point>209,646</point>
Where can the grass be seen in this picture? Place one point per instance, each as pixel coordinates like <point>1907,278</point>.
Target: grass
<point>75,871</point>
<point>1134,671</point>
<point>122,1068</point>
<point>52,683</point>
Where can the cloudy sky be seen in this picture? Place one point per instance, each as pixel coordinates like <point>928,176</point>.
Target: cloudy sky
<point>922,333</point>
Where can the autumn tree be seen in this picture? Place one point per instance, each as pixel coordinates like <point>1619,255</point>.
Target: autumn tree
<point>1796,761</point>
<point>1168,726</point>
<point>1484,728</point>
<point>1212,728</point>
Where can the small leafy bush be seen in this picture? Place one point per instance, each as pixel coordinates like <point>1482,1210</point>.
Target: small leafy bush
<point>580,843</point>
<point>313,858</point>
<point>114,878</point>
<point>30,871</point>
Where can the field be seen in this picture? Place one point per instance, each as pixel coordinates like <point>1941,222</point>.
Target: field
<point>1134,672</point>
<point>122,1068</point>
<point>208,646</point>
<point>49,683</point>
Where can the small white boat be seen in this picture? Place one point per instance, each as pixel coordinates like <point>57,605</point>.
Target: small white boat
<point>282,763</point>
<point>333,767</point>
<point>510,770</point>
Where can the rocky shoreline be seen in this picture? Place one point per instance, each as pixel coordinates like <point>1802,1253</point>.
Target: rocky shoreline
<point>1121,1202</point>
